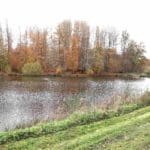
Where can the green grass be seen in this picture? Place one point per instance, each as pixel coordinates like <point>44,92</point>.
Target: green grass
<point>126,128</point>
<point>55,126</point>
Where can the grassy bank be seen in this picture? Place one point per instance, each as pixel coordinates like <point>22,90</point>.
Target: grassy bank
<point>128,127</point>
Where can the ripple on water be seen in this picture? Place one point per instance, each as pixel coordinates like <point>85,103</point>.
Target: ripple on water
<point>26,100</point>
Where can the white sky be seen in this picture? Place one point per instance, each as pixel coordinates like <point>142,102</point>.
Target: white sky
<point>132,15</point>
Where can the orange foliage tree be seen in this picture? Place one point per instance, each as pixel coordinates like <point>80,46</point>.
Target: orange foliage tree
<point>73,54</point>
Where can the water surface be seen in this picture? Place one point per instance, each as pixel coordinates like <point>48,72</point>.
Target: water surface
<point>24,100</point>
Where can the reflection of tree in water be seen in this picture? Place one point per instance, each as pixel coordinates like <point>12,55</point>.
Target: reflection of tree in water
<point>70,95</point>
<point>70,104</point>
<point>78,94</point>
<point>36,87</point>
<point>100,90</point>
<point>71,85</point>
<point>36,110</point>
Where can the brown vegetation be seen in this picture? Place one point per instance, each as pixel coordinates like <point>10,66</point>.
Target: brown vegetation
<point>70,48</point>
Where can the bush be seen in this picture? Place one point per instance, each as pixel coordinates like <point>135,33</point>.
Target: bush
<point>34,68</point>
<point>8,69</point>
<point>90,71</point>
<point>59,70</point>
<point>147,71</point>
<point>96,69</point>
<point>145,99</point>
<point>3,62</point>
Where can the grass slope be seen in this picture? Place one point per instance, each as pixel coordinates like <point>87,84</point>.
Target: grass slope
<point>127,129</point>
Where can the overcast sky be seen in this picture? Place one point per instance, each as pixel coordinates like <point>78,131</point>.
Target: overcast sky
<point>132,15</point>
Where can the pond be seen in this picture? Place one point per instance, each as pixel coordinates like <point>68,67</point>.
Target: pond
<point>24,100</point>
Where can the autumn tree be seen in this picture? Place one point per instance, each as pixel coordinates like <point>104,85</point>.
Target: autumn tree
<point>135,57</point>
<point>96,54</point>
<point>19,57</point>
<point>112,37</point>
<point>124,40</point>
<point>103,38</point>
<point>70,49</point>
<point>22,52</point>
<point>97,42</point>
<point>8,40</point>
<point>73,55</point>
<point>63,35</point>
<point>38,44</point>
<point>82,31</point>
<point>3,52</point>
<point>2,48</point>
<point>52,57</point>
<point>114,61</point>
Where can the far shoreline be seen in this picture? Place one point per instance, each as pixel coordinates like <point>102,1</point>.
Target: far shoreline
<point>81,75</point>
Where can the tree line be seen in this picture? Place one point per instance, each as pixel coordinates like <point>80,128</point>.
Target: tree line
<point>70,47</point>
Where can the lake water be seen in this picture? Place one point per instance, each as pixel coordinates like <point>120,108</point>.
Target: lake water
<point>25,100</point>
